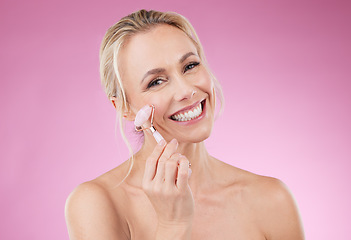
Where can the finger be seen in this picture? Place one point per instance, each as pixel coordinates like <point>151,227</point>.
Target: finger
<point>171,169</point>
<point>167,153</point>
<point>151,161</point>
<point>183,173</point>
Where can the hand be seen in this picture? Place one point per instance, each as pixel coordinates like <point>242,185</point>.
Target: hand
<point>165,183</point>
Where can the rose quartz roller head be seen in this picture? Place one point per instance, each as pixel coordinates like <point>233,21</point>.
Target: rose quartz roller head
<point>141,118</point>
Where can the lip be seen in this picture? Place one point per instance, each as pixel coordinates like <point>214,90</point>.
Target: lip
<point>186,108</point>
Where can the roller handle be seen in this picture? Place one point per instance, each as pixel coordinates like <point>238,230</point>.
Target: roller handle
<point>157,136</point>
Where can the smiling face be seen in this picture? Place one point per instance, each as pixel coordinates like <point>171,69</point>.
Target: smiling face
<point>162,67</point>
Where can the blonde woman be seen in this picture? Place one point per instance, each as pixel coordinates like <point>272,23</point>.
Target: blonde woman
<point>172,189</point>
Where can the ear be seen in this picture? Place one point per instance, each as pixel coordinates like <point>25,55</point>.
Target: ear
<point>127,113</point>
<point>113,101</point>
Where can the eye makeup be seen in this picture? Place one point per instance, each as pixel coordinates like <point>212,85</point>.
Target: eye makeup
<point>190,66</point>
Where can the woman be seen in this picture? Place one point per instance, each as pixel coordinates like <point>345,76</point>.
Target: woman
<point>155,58</point>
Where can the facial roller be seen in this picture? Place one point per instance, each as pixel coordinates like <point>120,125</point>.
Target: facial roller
<point>141,118</point>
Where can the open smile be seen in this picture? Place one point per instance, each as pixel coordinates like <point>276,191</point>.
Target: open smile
<point>189,113</point>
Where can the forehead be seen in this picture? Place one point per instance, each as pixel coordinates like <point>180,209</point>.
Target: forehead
<point>161,46</point>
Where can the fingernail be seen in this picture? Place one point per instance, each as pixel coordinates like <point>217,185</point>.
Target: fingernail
<point>190,172</point>
<point>174,141</point>
<point>162,142</point>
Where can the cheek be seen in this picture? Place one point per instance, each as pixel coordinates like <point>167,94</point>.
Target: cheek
<point>205,83</point>
<point>160,102</point>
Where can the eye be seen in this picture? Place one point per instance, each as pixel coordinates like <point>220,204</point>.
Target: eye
<point>155,82</point>
<point>191,66</point>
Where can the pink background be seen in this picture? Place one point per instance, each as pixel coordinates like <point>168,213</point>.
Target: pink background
<point>285,70</point>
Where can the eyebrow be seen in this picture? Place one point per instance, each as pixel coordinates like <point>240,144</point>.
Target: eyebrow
<point>185,56</point>
<point>160,70</point>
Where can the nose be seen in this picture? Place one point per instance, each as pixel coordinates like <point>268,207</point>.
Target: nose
<point>183,89</point>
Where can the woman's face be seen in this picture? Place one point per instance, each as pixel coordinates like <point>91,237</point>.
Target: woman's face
<point>162,67</point>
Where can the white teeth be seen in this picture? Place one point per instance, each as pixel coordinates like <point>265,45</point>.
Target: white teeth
<point>187,116</point>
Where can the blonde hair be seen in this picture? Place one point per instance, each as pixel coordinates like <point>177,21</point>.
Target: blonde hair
<point>117,35</point>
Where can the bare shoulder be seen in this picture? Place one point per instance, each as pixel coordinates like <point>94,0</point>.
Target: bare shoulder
<point>268,189</point>
<point>91,211</point>
<point>274,205</point>
<point>271,204</point>
<point>258,189</point>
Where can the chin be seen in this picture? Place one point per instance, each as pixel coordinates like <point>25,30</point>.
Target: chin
<point>196,136</point>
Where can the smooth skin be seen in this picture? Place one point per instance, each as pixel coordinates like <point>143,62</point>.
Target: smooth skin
<point>160,199</point>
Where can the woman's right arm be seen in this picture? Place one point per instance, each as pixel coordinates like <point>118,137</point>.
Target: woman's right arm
<point>90,214</point>
<point>165,182</point>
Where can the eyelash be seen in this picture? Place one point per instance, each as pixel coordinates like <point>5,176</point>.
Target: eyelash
<point>192,65</point>
<point>152,83</point>
<point>186,68</point>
